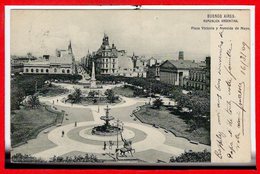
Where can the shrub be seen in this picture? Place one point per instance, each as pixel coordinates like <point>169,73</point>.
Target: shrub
<point>189,157</point>
<point>76,159</point>
<point>110,95</point>
<point>25,158</point>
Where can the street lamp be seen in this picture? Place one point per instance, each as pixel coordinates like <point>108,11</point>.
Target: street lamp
<point>150,93</point>
<point>119,124</point>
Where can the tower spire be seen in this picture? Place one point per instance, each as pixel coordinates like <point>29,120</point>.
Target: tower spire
<point>105,40</point>
<point>70,48</point>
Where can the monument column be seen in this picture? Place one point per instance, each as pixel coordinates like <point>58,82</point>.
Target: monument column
<point>93,78</point>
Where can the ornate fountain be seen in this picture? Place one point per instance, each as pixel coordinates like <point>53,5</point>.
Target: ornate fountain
<point>107,129</point>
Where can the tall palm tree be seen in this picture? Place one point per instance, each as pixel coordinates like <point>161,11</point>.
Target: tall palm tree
<point>157,103</point>
<point>33,101</point>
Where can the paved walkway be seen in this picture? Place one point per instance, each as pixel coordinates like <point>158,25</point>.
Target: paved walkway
<point>154,138</point>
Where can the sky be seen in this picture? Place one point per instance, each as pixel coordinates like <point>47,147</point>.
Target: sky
<point>150,33</point>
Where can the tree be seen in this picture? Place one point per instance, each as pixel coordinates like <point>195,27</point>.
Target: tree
<point>157,103</point>
<point>70,97</point>
<point>183,101</point>
<point>138,92</point>
<point>33,101</point>
<point>204,156</point>
<point>76,96</point>
<point>202,94</point>
<point>17,97</point>
<point>92,93</point>
<point>175,93</point>
<point>200,106</point>
<point>12,128</point>
<point>110,95</point>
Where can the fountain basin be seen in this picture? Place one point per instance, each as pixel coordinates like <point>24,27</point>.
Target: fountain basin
<point>106,130</point>
<point>107,118</point>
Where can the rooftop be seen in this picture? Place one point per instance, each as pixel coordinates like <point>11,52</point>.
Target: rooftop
<point>183,64</point>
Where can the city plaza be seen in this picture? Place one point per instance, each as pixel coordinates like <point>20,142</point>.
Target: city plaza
<point>149,143</point>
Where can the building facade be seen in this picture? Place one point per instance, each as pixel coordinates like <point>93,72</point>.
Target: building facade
<point>62,63</point>
<point>111,61</point>
<point>106,57</point>
<point>175,72</point>
<point>200,77</point>
<point>17,62</point>
<point>153,72</point>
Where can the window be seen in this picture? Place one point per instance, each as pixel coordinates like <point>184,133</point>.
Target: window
<point>63,71</point>
<point>26,70</point>
<point>42,70</point>
<point>32,70</point>
<point>55,70</point>
<point>47,70</point>
<point>68,71</point>
<point>37,70</point>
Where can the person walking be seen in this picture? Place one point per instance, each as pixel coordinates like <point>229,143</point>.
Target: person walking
<point>111,144</point>
<point>75,124</point>
<point>117,153</point>
<point>105,145</point>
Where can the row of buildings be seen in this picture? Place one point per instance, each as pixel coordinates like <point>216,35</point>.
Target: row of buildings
<point>111,61</point>
<point>181,72</point>
<point>63,62</point>
<point>185,73</point>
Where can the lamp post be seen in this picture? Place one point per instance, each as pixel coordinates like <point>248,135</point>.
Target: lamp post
<point>150,100</point>
<point>118,124</point>
<point>98,100</point>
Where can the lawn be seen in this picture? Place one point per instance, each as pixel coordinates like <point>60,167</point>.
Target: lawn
<point>174,123</point>
<point>53,91</point>
<point>124,91</point>
<point>27,123</point>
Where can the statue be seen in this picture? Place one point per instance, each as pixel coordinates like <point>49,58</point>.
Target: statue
<point>127,147</point>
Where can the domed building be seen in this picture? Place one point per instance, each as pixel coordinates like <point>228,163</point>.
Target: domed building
<point>111,61</point>
<point>106,57</point>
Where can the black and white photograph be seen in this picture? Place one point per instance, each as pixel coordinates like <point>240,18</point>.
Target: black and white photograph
<point>111,86</point>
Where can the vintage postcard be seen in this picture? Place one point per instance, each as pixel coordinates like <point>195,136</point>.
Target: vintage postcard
<point>149,86</point>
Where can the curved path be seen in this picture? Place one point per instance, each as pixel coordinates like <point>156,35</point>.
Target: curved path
<point>154,139</point>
